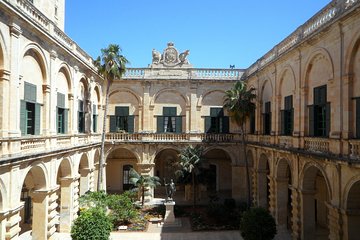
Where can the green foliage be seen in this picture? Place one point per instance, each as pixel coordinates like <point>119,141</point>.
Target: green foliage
<point>94,199</point>
<point>257,224</point>
<point>143,183</point>
<point>93,223</point>
<point>122,208</point>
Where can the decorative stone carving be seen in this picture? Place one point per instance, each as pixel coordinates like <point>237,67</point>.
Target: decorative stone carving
<point>170,57</point>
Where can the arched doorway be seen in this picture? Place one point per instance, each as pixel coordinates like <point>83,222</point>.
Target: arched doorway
<point>84,171</point>
<point>353,212</point>
<point>119,162</point>
<point>263,182</point>
<point>34,215</point>
<point>315,194</point>
<point>64,194</point>
<point>217,173</point>
<point>283,196</point>
<point>165,168</point>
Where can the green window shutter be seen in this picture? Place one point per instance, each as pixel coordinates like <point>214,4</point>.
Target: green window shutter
<point>291,121</point>
<point>29,92</point>
<point>288,102</point>
<point>131,123</point>
<point>358,118</point>
<point>207,124</point>
<point>311,120</point>
<point>282,123</point>
<point>328,119</point>
<point>320,95</point>
<point>37,118</point>
<point>169,111</point>
<point>160,124</point>
<point>225,124</point>
<point>121,111</point>
<point>94,109</point>
<point>269,123</point>
<point>23,117</point>
<point>61,100</point>
<point>178,124</point>
<point>66,114</point>
<point>252,121</point>
<point>112,123</point>
<point>94,123</point>
<point>216,112</point>
<point>264,123</point>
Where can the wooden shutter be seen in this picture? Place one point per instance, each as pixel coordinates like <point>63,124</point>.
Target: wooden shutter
<point>169,111</point>
<point>216,112</point>
<point>131,123</point>
<point>358,118</point>
<point>311,120</point>
<point>270,127</point>
<point>225,124</point>
<point>121,111</point>
<point>112,123</point>
<point>178,124</point>
<point>23,121</point>
<point>60,100</point>
<point>207,124</point>
<point>291,121</point>
<point>282,123</point>
<point>37,118</point>
<point>66,114</point>
<point>29,92</point>
<point>328,119</point>
<point>160,124</point>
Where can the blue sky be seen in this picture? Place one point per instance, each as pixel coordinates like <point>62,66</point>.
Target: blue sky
<point>217,33</point>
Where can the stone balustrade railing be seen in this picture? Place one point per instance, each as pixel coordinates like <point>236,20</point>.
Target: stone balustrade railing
<point>286,141</point>
<point>355,149</point>
<point>195,73</point>
<point>327,15</point>
<point>39,19</point>
<point>265,139</point>
<point>317,145</point>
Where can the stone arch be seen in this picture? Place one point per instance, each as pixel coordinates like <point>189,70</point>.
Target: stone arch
<point>84,171</point>
<point>117,174</point>
<point>32,193</point>
<point>128,148</point>
<point>36,51</point>
<point>98,95</point>
<point>64,68</point>
<point>316,55</point>
<point>266,90</point>
<point>315,188</point>
<point>127,90</point>
<point>352,207</point>
<point>203,96</point>
<point>283,183</point>
<point>353,90</point>
<point>227,151</point>
<point>167,90</point>
<point>83,90</point>
<point>65,168</point>
<point>287,70</point>
<point>165,162</point>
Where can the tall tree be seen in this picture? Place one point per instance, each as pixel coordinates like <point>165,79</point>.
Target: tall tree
<point>143,183</point>
<point>239,101</point>
<point>190,162</point>
<point>111,66</point>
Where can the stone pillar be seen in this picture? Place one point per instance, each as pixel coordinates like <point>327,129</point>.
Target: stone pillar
<point>53,217</point>
<point>14,106</point>
<point>295,220</point>
<point>335,222</point>
<point>239,187</point>
<point>281,201</point>
<point>46,110</point>
<point>272,195</point>
<point>66,203</point>
<point>40,214</point>
<point>140,126</point>
<point>146,106</point>
<point>52,125</point>
<point>193,121</point>
<point>12,228</point>
<point>299,116</point>
<point>4,105</point>
<point>262,198</point>
<point>147,169</point>
<point>75,195</point>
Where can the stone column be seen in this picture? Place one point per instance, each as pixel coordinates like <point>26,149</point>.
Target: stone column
<point>66,203</point>
<point>146,108</point>
<point>272,195</point>
<point>192,119</point>
<point>12,228</point>
<point>239,187</point>
<point>46,110</point>
<point>281,201</point>
<point>75,195</point>
<point>40,214</point>
<point>147,169</point>
<point>295,220</point>
<point>299,116</point>
<point>335,222</point>
<point>262,182</point>
<point>4,105</point>
<point>53,217</point>
<point>52,127</point>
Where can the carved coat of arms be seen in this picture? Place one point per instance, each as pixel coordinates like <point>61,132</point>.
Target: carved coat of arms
<point>170,56</point>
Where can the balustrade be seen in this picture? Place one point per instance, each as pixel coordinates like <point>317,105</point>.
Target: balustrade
<point>355,149</point>
<point>265,139</point>
<point>285,141</point>
<point>317,145</point>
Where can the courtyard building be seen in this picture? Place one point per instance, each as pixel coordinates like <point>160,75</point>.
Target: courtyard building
<point>303,138</point>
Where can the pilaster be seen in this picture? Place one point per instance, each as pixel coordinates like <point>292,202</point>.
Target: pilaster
<point>335,222</point>
<point>12,220</point>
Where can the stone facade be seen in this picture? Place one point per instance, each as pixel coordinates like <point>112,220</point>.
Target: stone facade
<point>303,140</point>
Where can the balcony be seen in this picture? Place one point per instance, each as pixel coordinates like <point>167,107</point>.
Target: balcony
<point>355,149</point>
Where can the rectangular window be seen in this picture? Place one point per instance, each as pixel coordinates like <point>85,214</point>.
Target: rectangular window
<point>319,114</point>
<point>60,120</point>
<point>122,121</point>
<point>267,119</point>
<point>61,114</point>
<point>216,122</point>
<point>81,117</point>
<point>169,122</point>
<point>287,117</point>
<point>95,118</point>
<point>29,111</point>
<point>252,122</point>
<point>30,118</point>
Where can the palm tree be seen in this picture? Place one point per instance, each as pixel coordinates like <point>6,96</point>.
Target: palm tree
<point>143,183</point>
<point>190,161</point>
<point>240,103</point>
<point>111,66</point>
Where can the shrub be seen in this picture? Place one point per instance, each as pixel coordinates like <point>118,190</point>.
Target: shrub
<point>257,223</point>
<point>122,208</point>
<point>93,223</point>
<point>93,199</point>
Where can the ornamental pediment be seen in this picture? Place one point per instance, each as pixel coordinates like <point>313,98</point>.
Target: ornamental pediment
<point>170,58</point>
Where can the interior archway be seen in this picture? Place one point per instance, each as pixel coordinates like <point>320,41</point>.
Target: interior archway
<point>353,212</point>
